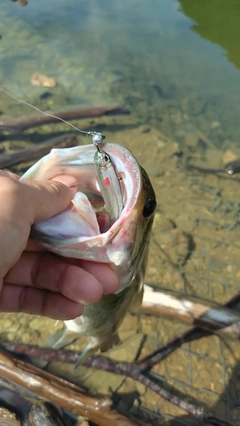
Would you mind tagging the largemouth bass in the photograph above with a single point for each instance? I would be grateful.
(84, 231)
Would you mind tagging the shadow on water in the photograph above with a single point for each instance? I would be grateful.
(227, 407)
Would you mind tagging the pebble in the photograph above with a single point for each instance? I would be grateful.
(215, 124)
(162, 223)
(191, 139)
(228, 156)
(186, 222)
(43, 80)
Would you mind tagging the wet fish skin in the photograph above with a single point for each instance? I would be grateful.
(124, 246)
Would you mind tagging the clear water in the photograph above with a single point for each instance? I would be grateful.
(159, 57)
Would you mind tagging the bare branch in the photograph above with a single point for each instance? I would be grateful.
(37, 151)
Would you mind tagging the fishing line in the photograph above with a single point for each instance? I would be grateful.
(97, 137)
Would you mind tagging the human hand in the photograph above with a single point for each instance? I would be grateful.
(33, 280)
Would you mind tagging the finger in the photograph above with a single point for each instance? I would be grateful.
(21, 205)
(32, 201)
(104, 273)
(45, 199)
(11, 175)
(47, 271)
(38, 302)
(34, 246)
(101, 271)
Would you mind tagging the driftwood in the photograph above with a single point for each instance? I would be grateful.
(136, 370)
(232, 168)
(15, 409)
(139, 370)
(23, 123)
(217, 318)
(190, 335)
(7, 418)
(60, 392)
(36, 151)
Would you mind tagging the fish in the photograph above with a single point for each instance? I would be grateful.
(85, 231)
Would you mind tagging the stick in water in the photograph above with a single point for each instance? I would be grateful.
(23, 123)
(36, 151)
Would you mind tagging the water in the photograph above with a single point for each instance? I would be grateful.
(175, 65)
(158, 57)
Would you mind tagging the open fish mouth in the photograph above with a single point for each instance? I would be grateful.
(87, 217)
(89, 234)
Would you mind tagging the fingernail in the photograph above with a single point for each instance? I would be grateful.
(67, 180)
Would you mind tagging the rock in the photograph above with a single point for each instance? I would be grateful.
(186, 222)
(162, 223)
(191, 140)
(215, 125)
(228, 156)
(43, 80)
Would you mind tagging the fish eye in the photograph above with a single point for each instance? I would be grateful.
(149, 207)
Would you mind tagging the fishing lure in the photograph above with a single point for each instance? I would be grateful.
(108, 181)
(109, 185)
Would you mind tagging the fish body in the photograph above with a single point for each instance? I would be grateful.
(77, 234)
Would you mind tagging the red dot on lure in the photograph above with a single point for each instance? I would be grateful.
(107, 182)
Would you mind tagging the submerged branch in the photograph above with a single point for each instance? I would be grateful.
(138, 371)
(217, 318)
(37, 151)
(194, 333)
(133, 370)
(7, 418)
(61, 392)
(18, 410)
(27, 122)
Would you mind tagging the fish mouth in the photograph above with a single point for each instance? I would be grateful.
(105, 199)
(74, 224)
(98, 205)
(129, 177)
(114, 185)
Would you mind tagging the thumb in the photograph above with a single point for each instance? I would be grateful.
(48, 198)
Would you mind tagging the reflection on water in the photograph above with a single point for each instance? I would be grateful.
(149, 57)
(216, 22)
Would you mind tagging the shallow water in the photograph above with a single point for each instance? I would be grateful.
(175, 66)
